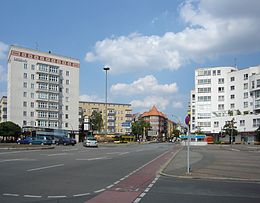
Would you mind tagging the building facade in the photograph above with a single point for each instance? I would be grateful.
(158, 122)
(119, 116)
(3, 109)
(43, 89)
(225, 93)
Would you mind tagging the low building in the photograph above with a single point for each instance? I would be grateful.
(158, 122)
(118, 117)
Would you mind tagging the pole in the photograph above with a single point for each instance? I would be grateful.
(106, 69)
(188, 151)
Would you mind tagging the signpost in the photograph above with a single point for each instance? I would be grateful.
(187, 121)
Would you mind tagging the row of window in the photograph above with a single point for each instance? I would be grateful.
(256, 123)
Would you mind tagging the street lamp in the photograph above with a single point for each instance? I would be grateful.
(106, 69)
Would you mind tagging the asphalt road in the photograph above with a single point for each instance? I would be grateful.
(168, 189)
(70, 174)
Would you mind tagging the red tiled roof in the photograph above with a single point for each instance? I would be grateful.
(153, 112)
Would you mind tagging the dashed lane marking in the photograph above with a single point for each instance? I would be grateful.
(33, 196)
(10, 194)
(45, 167)
(80, 195)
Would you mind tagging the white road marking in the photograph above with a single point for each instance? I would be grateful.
(67, 150)
(80, 195)
(33, 196)
(98, 191)
(116, 182)
(45, 167)
(61, 196)
(123, 153)
(137, 200)
(91, 159)
(9, 160)
(143, 194)
(60, 154)
(114, 152)
(110, 186)
(15, 152)
(9, 194)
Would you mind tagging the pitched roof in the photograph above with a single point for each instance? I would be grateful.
(153, 112)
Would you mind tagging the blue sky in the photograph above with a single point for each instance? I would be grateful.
(151, 46)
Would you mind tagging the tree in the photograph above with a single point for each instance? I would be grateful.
(10, 129)
(230, 129)
(138, 127)
(96, 121)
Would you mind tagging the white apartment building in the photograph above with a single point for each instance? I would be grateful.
(43, 89)
(224, 93)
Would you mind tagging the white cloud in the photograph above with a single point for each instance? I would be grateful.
(160, 102)
(212, 28)
(90, 98)
(177, 105)
(3, 50)
(146, 85)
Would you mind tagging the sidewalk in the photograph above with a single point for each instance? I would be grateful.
(237, 162)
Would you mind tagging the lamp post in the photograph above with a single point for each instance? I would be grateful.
(106, 69)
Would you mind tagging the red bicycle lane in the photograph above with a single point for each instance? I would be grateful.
(130, 187)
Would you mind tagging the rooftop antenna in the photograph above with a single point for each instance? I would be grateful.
(235, 61)
(36, 46)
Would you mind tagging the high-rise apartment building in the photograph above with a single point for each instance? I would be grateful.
(119, 116)
(3, 109)
(43, 89)
(225, 93)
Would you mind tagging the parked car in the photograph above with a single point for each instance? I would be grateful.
(90, 142)
(41, 140)
(65, 141)
(26, 140)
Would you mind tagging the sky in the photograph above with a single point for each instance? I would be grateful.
(151, 46)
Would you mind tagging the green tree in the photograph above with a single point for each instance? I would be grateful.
(139, 126)
(176, 133)
(230, 129)
(96, 121)
(9, 129)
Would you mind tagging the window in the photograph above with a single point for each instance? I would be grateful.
(67, 82)
(42, 123)
(25, 66)
(214, 72)
(54, 78)
(32, 76)
(66, 108)
(67, 90)
(24, 104)
(54, 97)
(42, 105)
(245, 104)
(204, 72)
(32, 104)
(24, 123)
(43, 67)
(221, 98)
(66, 116)
(253, 84)
(43, 96)
(232, 87)
(221, 81)
(53, 69)
(204, 90)
(232, 96)
(216, 124)
(24, 113)
(204, 81)
(245, 76)
(66, 125)
(32, 67)
(221, 107)
(25, 75)
(42, 114)
(242, 122)
(32, 85)
(25, 84)
(67, 73)
(232, 79)
(24, 94)
(53, 106)
(245, 86)
(219, 72)
(54, 88)
(245, 95)
(257, 104)
(43, 76)
(258, 83)
(43, 86)
(256, 122)
(257, 94)
(32, 114)
(32, 95)
(221, 89)
(232, 106)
